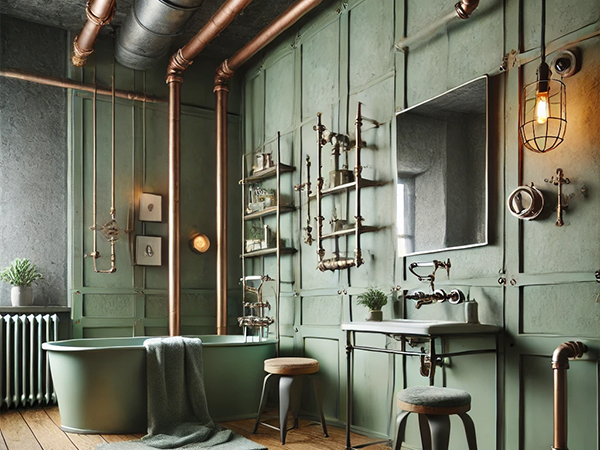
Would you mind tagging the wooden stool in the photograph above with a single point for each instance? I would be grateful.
(290, 372)
(434, 405)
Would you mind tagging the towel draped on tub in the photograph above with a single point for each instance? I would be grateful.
(178, 415)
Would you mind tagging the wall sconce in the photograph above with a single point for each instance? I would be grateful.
(199, 243)
(543, 116)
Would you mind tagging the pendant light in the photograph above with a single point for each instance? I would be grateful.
(543, 115)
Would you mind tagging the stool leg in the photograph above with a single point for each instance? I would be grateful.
(425, 432)
(439, 424)
(296, 399)
(285, 386)
(469, 430)
(316, 381)
(401, 425)
(263, 402)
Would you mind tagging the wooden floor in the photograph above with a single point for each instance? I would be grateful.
(39, 429)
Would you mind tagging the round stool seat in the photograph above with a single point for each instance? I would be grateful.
(291, 366)
(434, 400)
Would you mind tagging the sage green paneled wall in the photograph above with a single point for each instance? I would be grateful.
(346, 55)
(134, 300)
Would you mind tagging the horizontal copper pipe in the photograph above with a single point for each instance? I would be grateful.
(560, 364)
(99, 13)
(289, 17)
(182, 59)
(70, 84)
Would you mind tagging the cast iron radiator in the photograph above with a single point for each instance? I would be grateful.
(24, 370)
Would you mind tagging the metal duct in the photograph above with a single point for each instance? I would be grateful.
(148, 30)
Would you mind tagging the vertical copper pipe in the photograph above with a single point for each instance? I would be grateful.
(223, 73)
(560, 364)
(99, 13)
(179, 62)
(174, 177)
(221, 92)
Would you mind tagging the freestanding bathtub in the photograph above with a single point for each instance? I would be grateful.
(101, 383)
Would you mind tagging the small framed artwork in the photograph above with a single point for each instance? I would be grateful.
(150, 207)
(148, 250)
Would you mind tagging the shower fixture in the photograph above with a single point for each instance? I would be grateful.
(110, 230)
(543, 115)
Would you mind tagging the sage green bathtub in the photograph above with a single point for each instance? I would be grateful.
(101, 383)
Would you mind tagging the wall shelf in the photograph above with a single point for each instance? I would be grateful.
(349, 232)
(348, 187)
(269, 252)
(268, 173)
(269, 211)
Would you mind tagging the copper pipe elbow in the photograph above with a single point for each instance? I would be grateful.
(566, 350)
(465, 8)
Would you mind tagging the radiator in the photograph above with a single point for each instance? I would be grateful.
(24, 370)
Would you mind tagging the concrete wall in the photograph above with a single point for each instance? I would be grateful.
(345, 56)
(33, 158)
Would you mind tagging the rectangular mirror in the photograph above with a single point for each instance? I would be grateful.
(442, 171)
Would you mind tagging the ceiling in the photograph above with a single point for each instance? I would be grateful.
(70, 15)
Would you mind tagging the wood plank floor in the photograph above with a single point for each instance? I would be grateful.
(39, 429)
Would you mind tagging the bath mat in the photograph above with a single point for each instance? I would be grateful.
(178, 416)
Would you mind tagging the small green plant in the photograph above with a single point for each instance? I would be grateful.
(20, 272)
(373, 299)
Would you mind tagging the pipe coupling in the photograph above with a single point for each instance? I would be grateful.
(177, 65)
(98, 20)
(80, 56)
(222, 74)
(465, 8)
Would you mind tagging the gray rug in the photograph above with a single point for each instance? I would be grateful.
(178, 416)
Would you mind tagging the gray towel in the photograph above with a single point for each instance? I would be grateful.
(178, 416)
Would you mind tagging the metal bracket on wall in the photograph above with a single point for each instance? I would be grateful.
(559, 180)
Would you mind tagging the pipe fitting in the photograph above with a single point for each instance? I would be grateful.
(465, 8)
(566, 350)
(99, 13)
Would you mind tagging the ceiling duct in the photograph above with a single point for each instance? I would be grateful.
(148, 30)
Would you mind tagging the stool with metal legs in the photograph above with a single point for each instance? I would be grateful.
(434, 405)
(290, 372)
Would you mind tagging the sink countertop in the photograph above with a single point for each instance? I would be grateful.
(420, 327)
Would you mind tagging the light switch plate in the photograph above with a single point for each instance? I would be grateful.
(150, 207)
(148, 250)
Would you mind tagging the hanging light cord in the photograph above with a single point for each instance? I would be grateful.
(543, 31)
(112, 205)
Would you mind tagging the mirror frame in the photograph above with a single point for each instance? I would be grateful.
(486, 203)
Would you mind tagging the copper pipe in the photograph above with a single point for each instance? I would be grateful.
(221, 119)
(174, 179)
(179, 62)
(223, 73)
(560, 364)
(99, 13)
(320, 142)
(70, 84)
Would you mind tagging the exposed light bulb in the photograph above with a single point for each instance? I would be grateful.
(542, 107)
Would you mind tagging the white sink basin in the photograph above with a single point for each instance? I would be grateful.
(420, 327)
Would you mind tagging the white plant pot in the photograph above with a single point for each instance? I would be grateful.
(21, 296)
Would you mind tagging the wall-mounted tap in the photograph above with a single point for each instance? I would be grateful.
(431, 277)
(454, 297)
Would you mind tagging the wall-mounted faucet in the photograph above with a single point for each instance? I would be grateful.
(454, 297)
(431, 277)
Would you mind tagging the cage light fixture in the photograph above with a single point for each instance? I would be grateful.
(543, 115)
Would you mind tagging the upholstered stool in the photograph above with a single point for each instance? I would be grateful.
(434, 405)
(290, 372)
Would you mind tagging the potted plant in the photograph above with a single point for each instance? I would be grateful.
(21, 273)
(373, 299)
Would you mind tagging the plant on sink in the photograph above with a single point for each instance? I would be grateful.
(21, 273)
(374, 299)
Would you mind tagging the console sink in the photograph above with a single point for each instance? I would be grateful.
(420, 327)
